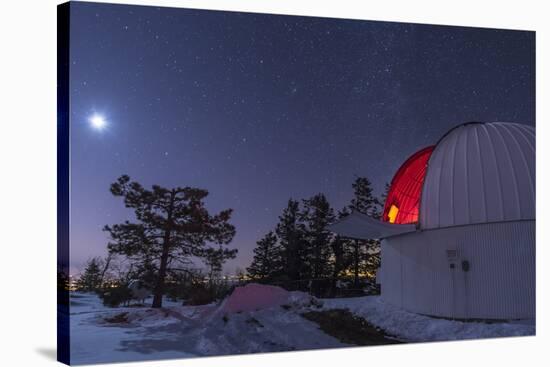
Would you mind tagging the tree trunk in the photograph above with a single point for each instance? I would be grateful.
(367, 258)
(335, 272)
(159, 287)
(105, 268)
(356, 264)
(210, 275)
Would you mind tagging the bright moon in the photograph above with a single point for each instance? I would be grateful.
(98, 122)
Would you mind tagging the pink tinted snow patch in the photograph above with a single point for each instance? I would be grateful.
(254, 297)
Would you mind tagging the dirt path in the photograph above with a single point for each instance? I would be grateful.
(348, 328)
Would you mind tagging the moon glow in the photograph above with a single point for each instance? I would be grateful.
(97, 122)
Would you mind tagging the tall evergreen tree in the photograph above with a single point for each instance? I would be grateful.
(384, 195)
(316, 216)
(106, 266)
(372, 251)
(267, 261)
(340, 245)
(214, 258)
(290, 232)
(365, 202)
(340, 257)
(91, 278)
(171, 225)
(371, 259)
(145, 270)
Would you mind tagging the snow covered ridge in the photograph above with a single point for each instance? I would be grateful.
(418, 328)
(272, 323)
(406, 325)
(254, 318)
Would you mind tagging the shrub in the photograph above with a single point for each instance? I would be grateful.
(121, 318)
(113, 297)
(200, 294)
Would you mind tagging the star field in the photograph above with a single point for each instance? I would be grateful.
(260, 108)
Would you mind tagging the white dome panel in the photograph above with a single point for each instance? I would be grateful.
(480, 173)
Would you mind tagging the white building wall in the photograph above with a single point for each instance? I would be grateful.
(416, 275)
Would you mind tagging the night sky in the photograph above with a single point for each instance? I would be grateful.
(260, 108)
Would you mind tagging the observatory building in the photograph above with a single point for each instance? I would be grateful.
(458, 227)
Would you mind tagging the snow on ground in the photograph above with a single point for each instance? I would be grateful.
(94, 341)
(177, 331)
(255, 318)
(412, 327)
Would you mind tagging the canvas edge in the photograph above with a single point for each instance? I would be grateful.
(63, 169)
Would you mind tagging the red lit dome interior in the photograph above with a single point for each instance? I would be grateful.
(403, 199)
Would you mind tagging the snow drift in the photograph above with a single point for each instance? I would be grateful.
(254, 297)
(411, 327)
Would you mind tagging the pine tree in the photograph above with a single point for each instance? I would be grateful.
(290, 232)
(371, 259)
(267, 261)
(171, 226)
(106, 266)
(341, 259)
(240, 274)
(316, 216)
(145, 271)
(90, 280)
(364, 202)
(384, 195)
(214, 258)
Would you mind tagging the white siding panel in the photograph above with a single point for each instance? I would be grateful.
(461, 178)
(499, 285)
(391, 283)
(476, 176)
(492, 189)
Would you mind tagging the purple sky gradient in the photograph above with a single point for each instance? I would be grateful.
(261, 108)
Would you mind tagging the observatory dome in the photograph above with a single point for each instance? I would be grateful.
(480, 173)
